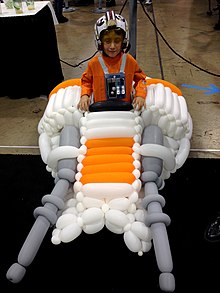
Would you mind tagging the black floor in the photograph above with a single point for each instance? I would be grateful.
(101, 262)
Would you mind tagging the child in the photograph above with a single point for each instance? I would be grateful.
(113, 74)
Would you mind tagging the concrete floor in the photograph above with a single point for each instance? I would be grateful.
(186, 51)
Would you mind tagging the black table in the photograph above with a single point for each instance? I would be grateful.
(29, 57)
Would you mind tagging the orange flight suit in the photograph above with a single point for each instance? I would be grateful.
(93, 80)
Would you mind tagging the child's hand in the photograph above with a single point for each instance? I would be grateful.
(138, 103)
(84, 102)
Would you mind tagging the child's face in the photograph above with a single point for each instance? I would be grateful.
(112, 43)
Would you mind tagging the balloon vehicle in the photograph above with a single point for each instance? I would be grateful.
(108, 166)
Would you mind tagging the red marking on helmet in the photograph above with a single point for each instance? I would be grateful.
(110, 15)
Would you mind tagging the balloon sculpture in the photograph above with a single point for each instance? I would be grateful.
(108, 165)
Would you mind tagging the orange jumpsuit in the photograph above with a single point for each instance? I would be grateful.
(93, 80)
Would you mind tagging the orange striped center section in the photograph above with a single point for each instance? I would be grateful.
(108, 160)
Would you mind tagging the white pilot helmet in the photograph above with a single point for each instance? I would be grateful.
(111, 20)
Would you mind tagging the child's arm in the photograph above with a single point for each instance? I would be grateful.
(138, 103)
(84, 103)
(140, 95)
(86, 89)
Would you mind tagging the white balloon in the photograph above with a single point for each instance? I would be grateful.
(150, 100)
(70, 232)
(79, 196)
(183, 152)
(171, 128)
(117, 218)
(137, 185)
(171, 143)
(132, 241)
(159, 96)
(92, 215)
(119, 203)
(83, 130)
(183, 110)
(70, 210)
(131, 218)
(132, 208)
(146, 246)
(190, 127)
(141, 231)
(105, 207)
(113, 228)
(164, 123)
(105, 122)
(68, 117)
(133, 197)
(137, 164)
(58, 100)
(77, 186)
(161, 152)
(55, 240)
(55, 232)
(109, 132)
(80, 207)
(71, 202)
(90, 202)
(179, 133)
(110, 114)
(136, 173)
(94, 228)
(64, 220)
(106, 191)
(76, 116)
(78, 176)
(155, 117)
(80, 157)
(44, 145)
(62, 152)
(68, 96)
(50, 105)
(140, 215)
(176, 106)
(168, 106)
(147, 116)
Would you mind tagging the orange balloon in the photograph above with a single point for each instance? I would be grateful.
(107, 142)
(115, 177)
(111, 167)
(106, 159)
(109, 150)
